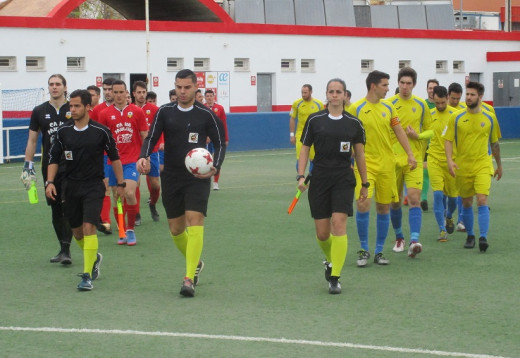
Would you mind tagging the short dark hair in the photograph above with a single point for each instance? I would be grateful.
(440, 91)
(209, 91)
(94, 88)
(109, 81)
(198, 91)
(138, 84)
(349, 94)
(308, 86)
(151, 95)
(185, 73)
(118, 82)
(455, 87)
(476, 85)
(375, 78)
(172, 92)
(432, 80)
(407, 72)
(86, 98)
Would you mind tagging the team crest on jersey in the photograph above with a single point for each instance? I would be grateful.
(130, 114)
(68, 115)
(383, 114)
(47, 116)
(414, 109)
(344, 147)
(148, 111)
(68, 155)
(193, 138)
(112, 117)
(482, 124)
(215, 110)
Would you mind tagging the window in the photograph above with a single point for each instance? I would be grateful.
(75, 63)
(241, 64)
(405, 63)
(174, 64)
(33, 63)
(441, 66)
(367, 65)
(308, 65)
(7, 63)
(288, 65)
(201, 64)
(458, 66)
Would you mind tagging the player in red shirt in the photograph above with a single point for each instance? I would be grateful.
(221, 114)
(128, 126)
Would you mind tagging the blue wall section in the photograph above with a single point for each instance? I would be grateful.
(264, 131)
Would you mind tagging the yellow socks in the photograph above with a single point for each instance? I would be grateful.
(325, 247)
(193, 249)
(338, 252)
(90, 247)
(181, 242)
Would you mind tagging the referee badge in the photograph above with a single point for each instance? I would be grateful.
(68, 155)
(344, 147)
(193, 138)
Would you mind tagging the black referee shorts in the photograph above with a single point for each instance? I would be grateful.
(331, 192)
(83, 201)
(181, 192)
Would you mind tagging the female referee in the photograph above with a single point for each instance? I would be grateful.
(336, 135)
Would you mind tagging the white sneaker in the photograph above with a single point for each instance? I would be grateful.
(399, 245)
(215, 186)
(461, 227)
(414, 249)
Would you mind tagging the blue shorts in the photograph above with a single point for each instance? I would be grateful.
(129, 172)
(161, 157)
(154, 165)
(211, 147)
(105, 161)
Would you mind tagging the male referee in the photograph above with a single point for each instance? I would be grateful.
(83, 143)
(186, 124)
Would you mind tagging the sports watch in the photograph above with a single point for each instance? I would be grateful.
(365, 185)
(298, 177)
(122, 185)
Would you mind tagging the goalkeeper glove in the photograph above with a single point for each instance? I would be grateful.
(28, 174)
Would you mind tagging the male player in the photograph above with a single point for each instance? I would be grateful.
(186, 124)
(219, 111)
(95, 92)
(415, 119)
(443, 184)
(474, 133)
(151, 97)
(379, 119)
(300, 111)
(46, 118)
(82, 142)
(173, 95)
(128, 126)
(430, 85)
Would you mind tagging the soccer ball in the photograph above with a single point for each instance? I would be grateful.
(198, 161)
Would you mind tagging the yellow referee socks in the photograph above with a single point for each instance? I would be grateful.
(193, 249)
(338, 253)
(181, 241)
(325, 247)
(80, 243)
(90, 247)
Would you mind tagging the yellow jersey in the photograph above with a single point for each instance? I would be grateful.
(439, 123)
(301, 110)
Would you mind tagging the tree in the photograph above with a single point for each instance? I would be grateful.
(95, 9)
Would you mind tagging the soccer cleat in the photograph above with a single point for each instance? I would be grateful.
(450, 225)
(483, 244)
(405, 201)
(470, 242)
(95, 268)
(215, 186)
(461, 227)
(334, 285)
(399, 245)
(86, 282)
(363, 257)
(63, 258)
(328, 270)
(131, 240)
(138, 219)
(187, 289)
(121, 241)
(414, 249)
(105, 228)
(443, 237)
(198, 270)
(424, 205)
(153, 211)
(380, 259)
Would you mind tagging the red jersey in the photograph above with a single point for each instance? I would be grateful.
(94, 112)
(221, 114)
(125, 126)
(150, 110)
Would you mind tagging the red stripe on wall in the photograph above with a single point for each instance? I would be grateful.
(16, 114)
(242, 109)
(503, 56)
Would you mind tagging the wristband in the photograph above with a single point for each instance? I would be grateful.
(291, 134)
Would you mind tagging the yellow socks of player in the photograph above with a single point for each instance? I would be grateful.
(90, 247)
(338, 253)
(80, 243)
(181, 241)
(325, 247)
(193, 249)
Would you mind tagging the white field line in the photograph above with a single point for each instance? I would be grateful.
(248, 339)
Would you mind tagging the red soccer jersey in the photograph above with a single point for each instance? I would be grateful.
(94, 113)
(221, 114)
(125, 126)
(149, 110)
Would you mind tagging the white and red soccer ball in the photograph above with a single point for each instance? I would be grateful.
(198, 161)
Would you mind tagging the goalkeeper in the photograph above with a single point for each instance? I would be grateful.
(46, 118)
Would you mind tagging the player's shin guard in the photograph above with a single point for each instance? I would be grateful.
(89, 252)
(452, 205)
(382, 225)
(438, 209)
(467, 216)
(131, 212)
(362, 221)
(396, 216)
(483, 220)
(181, 241)
(415, 221)
(338, 252)
(194, 249)
(325, 246)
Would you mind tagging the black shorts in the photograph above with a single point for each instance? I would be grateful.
(181, 192)
(331, 192)
(83, 201)
(58, 182)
